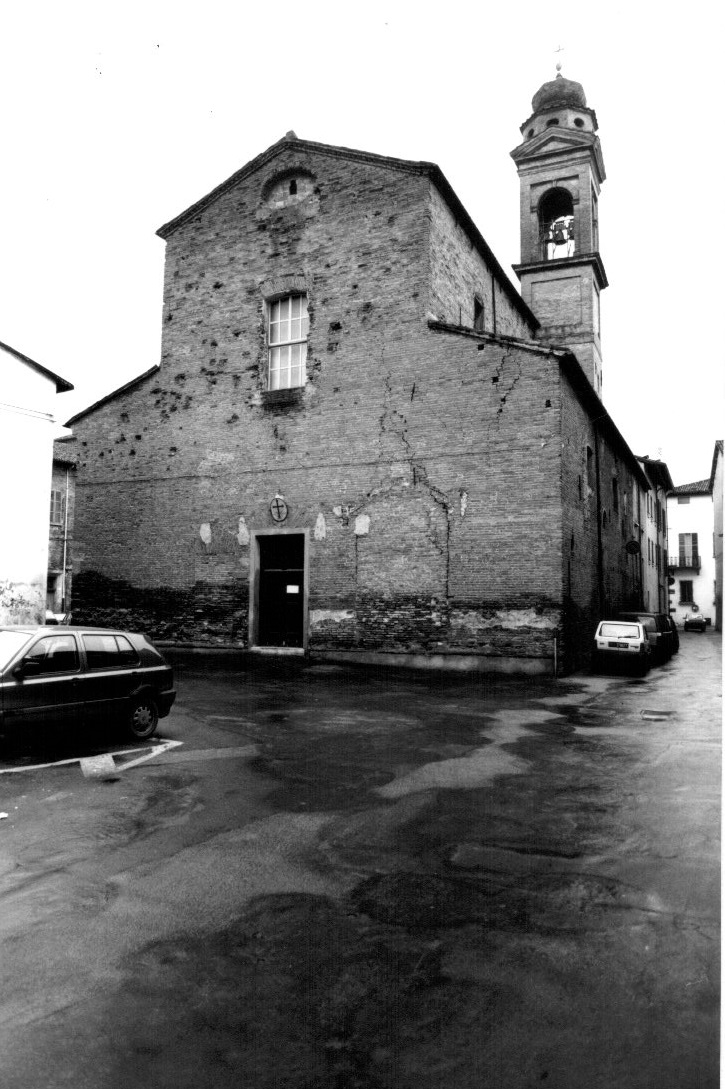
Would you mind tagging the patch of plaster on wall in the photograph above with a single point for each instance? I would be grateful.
(243, 532)
(320, 527)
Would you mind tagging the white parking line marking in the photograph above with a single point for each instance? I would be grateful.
(155, 750)
(55, 763)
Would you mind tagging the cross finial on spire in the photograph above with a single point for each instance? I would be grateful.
(559, 49)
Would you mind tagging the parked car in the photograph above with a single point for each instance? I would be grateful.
(658, 630)
(82, 675)
(695, 622)
(624, 642)
(675, 634)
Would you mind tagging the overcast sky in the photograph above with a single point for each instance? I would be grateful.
(116, 117)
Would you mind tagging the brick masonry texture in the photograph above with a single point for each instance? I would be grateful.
(436, 471)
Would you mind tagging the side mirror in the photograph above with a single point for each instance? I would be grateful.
(29, 667)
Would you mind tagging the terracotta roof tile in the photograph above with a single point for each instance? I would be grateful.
(700, 487)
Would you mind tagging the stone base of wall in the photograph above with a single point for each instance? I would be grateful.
(206, 614)
(453, 663)
(413, 632)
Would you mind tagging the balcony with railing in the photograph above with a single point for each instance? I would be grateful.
(684, 561)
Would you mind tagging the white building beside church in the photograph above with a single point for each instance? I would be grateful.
(694, 546)
(653, 535)
(27, 427)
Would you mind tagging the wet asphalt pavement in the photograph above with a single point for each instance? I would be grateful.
(331, 878)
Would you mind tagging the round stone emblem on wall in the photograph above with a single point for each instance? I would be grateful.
(278, 509)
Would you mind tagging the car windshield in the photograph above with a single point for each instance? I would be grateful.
(10, 644)
(619, 631)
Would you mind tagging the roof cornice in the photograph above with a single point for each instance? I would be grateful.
(658, 471)
(583, 388)
(113, 394)
(717, 451)
(537, 149)
(61, 386)
(405, 165)
(593, 259)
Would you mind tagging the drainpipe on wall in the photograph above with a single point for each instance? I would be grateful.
(665, 607)
(65, 543)
(493, 302)
(642, 537)
(664, 597)
(659, 546)
(600, 546)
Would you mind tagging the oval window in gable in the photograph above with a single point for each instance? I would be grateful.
(292, 187)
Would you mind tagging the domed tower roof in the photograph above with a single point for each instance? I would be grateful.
(560, 102)
(557, 93)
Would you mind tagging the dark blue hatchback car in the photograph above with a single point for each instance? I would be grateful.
(70, 675)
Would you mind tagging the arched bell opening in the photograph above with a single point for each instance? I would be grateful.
(556, 224)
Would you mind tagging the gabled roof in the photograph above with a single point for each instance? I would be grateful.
(658, 472)
(65, 451)
(61, 386)
(553, 140)
(114, 393)
(700, 487)
(406, 166)
(559, 141)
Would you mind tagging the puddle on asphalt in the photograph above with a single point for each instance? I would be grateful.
(479, 767)
(461, 773)
(338, 756)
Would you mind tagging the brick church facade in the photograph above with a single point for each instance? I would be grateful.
(361, 441)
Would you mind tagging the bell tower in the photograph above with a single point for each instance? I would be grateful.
(561, 171)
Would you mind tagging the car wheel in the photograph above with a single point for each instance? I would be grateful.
(143, 718)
